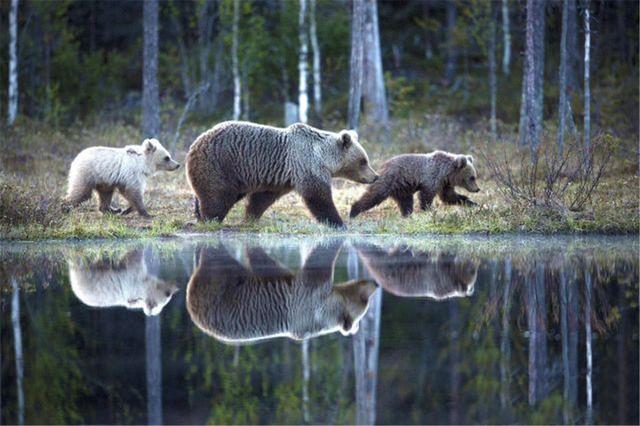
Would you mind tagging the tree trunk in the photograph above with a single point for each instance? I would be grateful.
(562, 102)
(234, 60)
(493, 80)
(184, 57)
(573, 56)
(205, 31)
(373, 75)
(317, 79)
(587, 90)
(150, 94)
(17, 346)
(506, 55)
(154, 369)
(355, 63)
(13, 63)
(450, 68)
(534, 54)
(303, 66)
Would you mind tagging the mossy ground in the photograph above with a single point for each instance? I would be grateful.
(37, 166)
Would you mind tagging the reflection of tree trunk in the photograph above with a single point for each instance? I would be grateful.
(17, 345)
(622, 363)
(454, 372)
(154, 370)
(588, 337)
(305, 381)
(505, 347)
(536, 318)
(569, 329)
(366, 346)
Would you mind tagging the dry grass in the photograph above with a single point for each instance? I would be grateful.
(39, 158)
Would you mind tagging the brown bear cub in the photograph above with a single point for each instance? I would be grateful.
(237, 159)
(437, 173)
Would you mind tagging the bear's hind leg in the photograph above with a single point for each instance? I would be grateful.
(376, 194)
(78, 194)
(405, 203)
(217, 205)
(259, 202)
(105, 195)
(134, 197)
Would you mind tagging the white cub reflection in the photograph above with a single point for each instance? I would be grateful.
(408, 272)
(119, 281)
(238, 304)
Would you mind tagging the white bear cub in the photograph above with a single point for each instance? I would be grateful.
(126, 169)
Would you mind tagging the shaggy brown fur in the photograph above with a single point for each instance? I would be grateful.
(240, 304)
(406, 272)
(237, 159)
(432, 174)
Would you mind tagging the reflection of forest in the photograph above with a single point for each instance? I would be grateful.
(517, 350)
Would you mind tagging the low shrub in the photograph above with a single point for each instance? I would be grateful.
(28, 204)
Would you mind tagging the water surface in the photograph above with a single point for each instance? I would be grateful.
(265, 329)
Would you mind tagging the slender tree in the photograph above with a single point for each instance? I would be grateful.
(450, 67)
(373, 91)
(532, 96)
(506, 33)
(150, 93)
(13, 63)
(237, 89)
(315, 46)
(303, 66)
(587, 90)
(562, 102)
(493, 79)
(355, 63)
(573, 56)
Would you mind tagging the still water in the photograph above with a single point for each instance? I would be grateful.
(265, 329)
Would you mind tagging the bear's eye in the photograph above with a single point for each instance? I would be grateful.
(363, 162)
(472, 178)
(167, 158)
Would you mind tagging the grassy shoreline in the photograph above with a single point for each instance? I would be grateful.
(34, 169)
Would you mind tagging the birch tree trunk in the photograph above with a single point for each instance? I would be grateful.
(154, 369)
(450, 68)
(373, 75)
(150, 93)
(13, 63)
(562, 102)
(237, 90)
(315, 46)
(355, 63)
(506, 32)
(493, 80)
(587, 90)
(303, 66)
(17, 346)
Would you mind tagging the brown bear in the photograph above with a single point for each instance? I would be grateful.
(437, 173)
(237, 159)
(238, 304)
(407, 272)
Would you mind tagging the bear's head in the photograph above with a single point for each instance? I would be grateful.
(464, 173)
(354, 161)
(346, 305)
(157, 157)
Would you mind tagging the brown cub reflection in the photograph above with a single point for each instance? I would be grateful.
(122, 281)
(238, 304)
(407, 272)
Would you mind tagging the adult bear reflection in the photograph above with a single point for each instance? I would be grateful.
(238, 304)
(408, 272)
(107, 281)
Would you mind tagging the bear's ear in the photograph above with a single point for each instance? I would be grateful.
(460, 162)
(347, 137)
(470, 159)
(148, 146)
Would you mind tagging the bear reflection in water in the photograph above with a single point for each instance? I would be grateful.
(238, 304)
(408, 272)
(119, 281)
